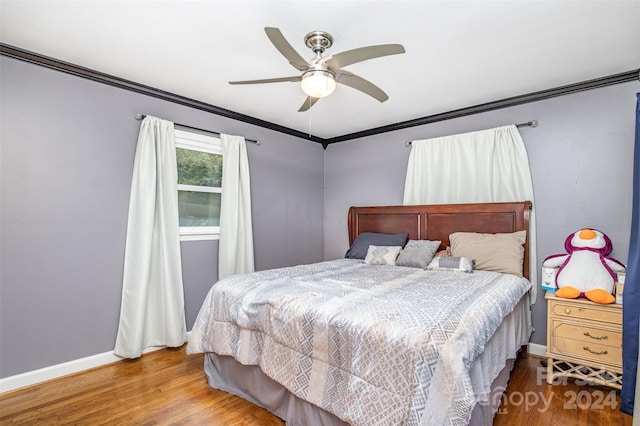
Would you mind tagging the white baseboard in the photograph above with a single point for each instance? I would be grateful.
(52, 372)
(59, 370)
(539, 350)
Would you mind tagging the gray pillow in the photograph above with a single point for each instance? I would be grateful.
(418, 253)
(360, 246)
(463, 264)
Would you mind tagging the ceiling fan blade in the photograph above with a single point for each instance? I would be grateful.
(359, 83)
(308, 103)
(268, 80)
(360, 54)
(285, 48)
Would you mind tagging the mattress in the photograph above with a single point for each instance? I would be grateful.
(370, 344)
(495, 364)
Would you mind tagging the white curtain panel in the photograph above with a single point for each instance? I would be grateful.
(477, 167)
(152, 310)
(235, 249)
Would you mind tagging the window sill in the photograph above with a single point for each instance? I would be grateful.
(199, 237)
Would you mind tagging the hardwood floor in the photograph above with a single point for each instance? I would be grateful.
(160, 388)
(529, 400)
(169, 387)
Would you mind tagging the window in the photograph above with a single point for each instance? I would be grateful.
(199, 159)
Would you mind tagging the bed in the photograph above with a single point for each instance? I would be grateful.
(350, 342)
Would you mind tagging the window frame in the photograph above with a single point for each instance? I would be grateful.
(185, 139)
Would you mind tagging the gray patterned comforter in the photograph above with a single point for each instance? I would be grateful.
(374, 345)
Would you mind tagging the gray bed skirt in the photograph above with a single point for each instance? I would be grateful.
(250, 383)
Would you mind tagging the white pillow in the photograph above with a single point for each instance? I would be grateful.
(382, 255)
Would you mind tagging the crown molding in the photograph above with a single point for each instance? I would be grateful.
(66, 67)
(625, 77)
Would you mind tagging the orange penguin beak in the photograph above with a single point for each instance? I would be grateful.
(587, 234)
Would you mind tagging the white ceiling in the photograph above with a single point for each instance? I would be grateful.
(458, 54)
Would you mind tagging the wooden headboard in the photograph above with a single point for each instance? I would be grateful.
(438, 221)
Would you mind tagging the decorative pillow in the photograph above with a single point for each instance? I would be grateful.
(451, 262)
(358, 249)
(417, 253)
(492, 252)
(382, 255)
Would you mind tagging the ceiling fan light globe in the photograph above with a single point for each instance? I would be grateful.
(318, 84)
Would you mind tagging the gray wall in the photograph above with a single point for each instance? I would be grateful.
(66, 158)
(67, 148)
(581, 159)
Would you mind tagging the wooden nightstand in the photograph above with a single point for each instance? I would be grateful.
(584, 341)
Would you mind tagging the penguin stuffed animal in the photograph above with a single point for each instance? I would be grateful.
(586, 270)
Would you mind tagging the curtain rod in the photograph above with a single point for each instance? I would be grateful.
(141, 116)
(532, 123)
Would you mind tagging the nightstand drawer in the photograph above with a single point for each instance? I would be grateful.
(605, 313)
(587, 351)
(586, 334)
(584, 341)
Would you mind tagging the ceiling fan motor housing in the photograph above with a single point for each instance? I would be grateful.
(318, 41)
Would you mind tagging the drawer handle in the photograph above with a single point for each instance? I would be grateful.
(586, 348)
(605, 337)
(567, 311)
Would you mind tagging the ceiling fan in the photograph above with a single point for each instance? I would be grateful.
(320, 74)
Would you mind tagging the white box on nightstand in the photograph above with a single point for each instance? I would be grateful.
(620, 286)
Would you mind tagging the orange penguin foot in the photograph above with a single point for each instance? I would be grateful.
(568, 292)
(600, 296)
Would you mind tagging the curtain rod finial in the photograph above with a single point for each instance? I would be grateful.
(534, 123)
(139, 116)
